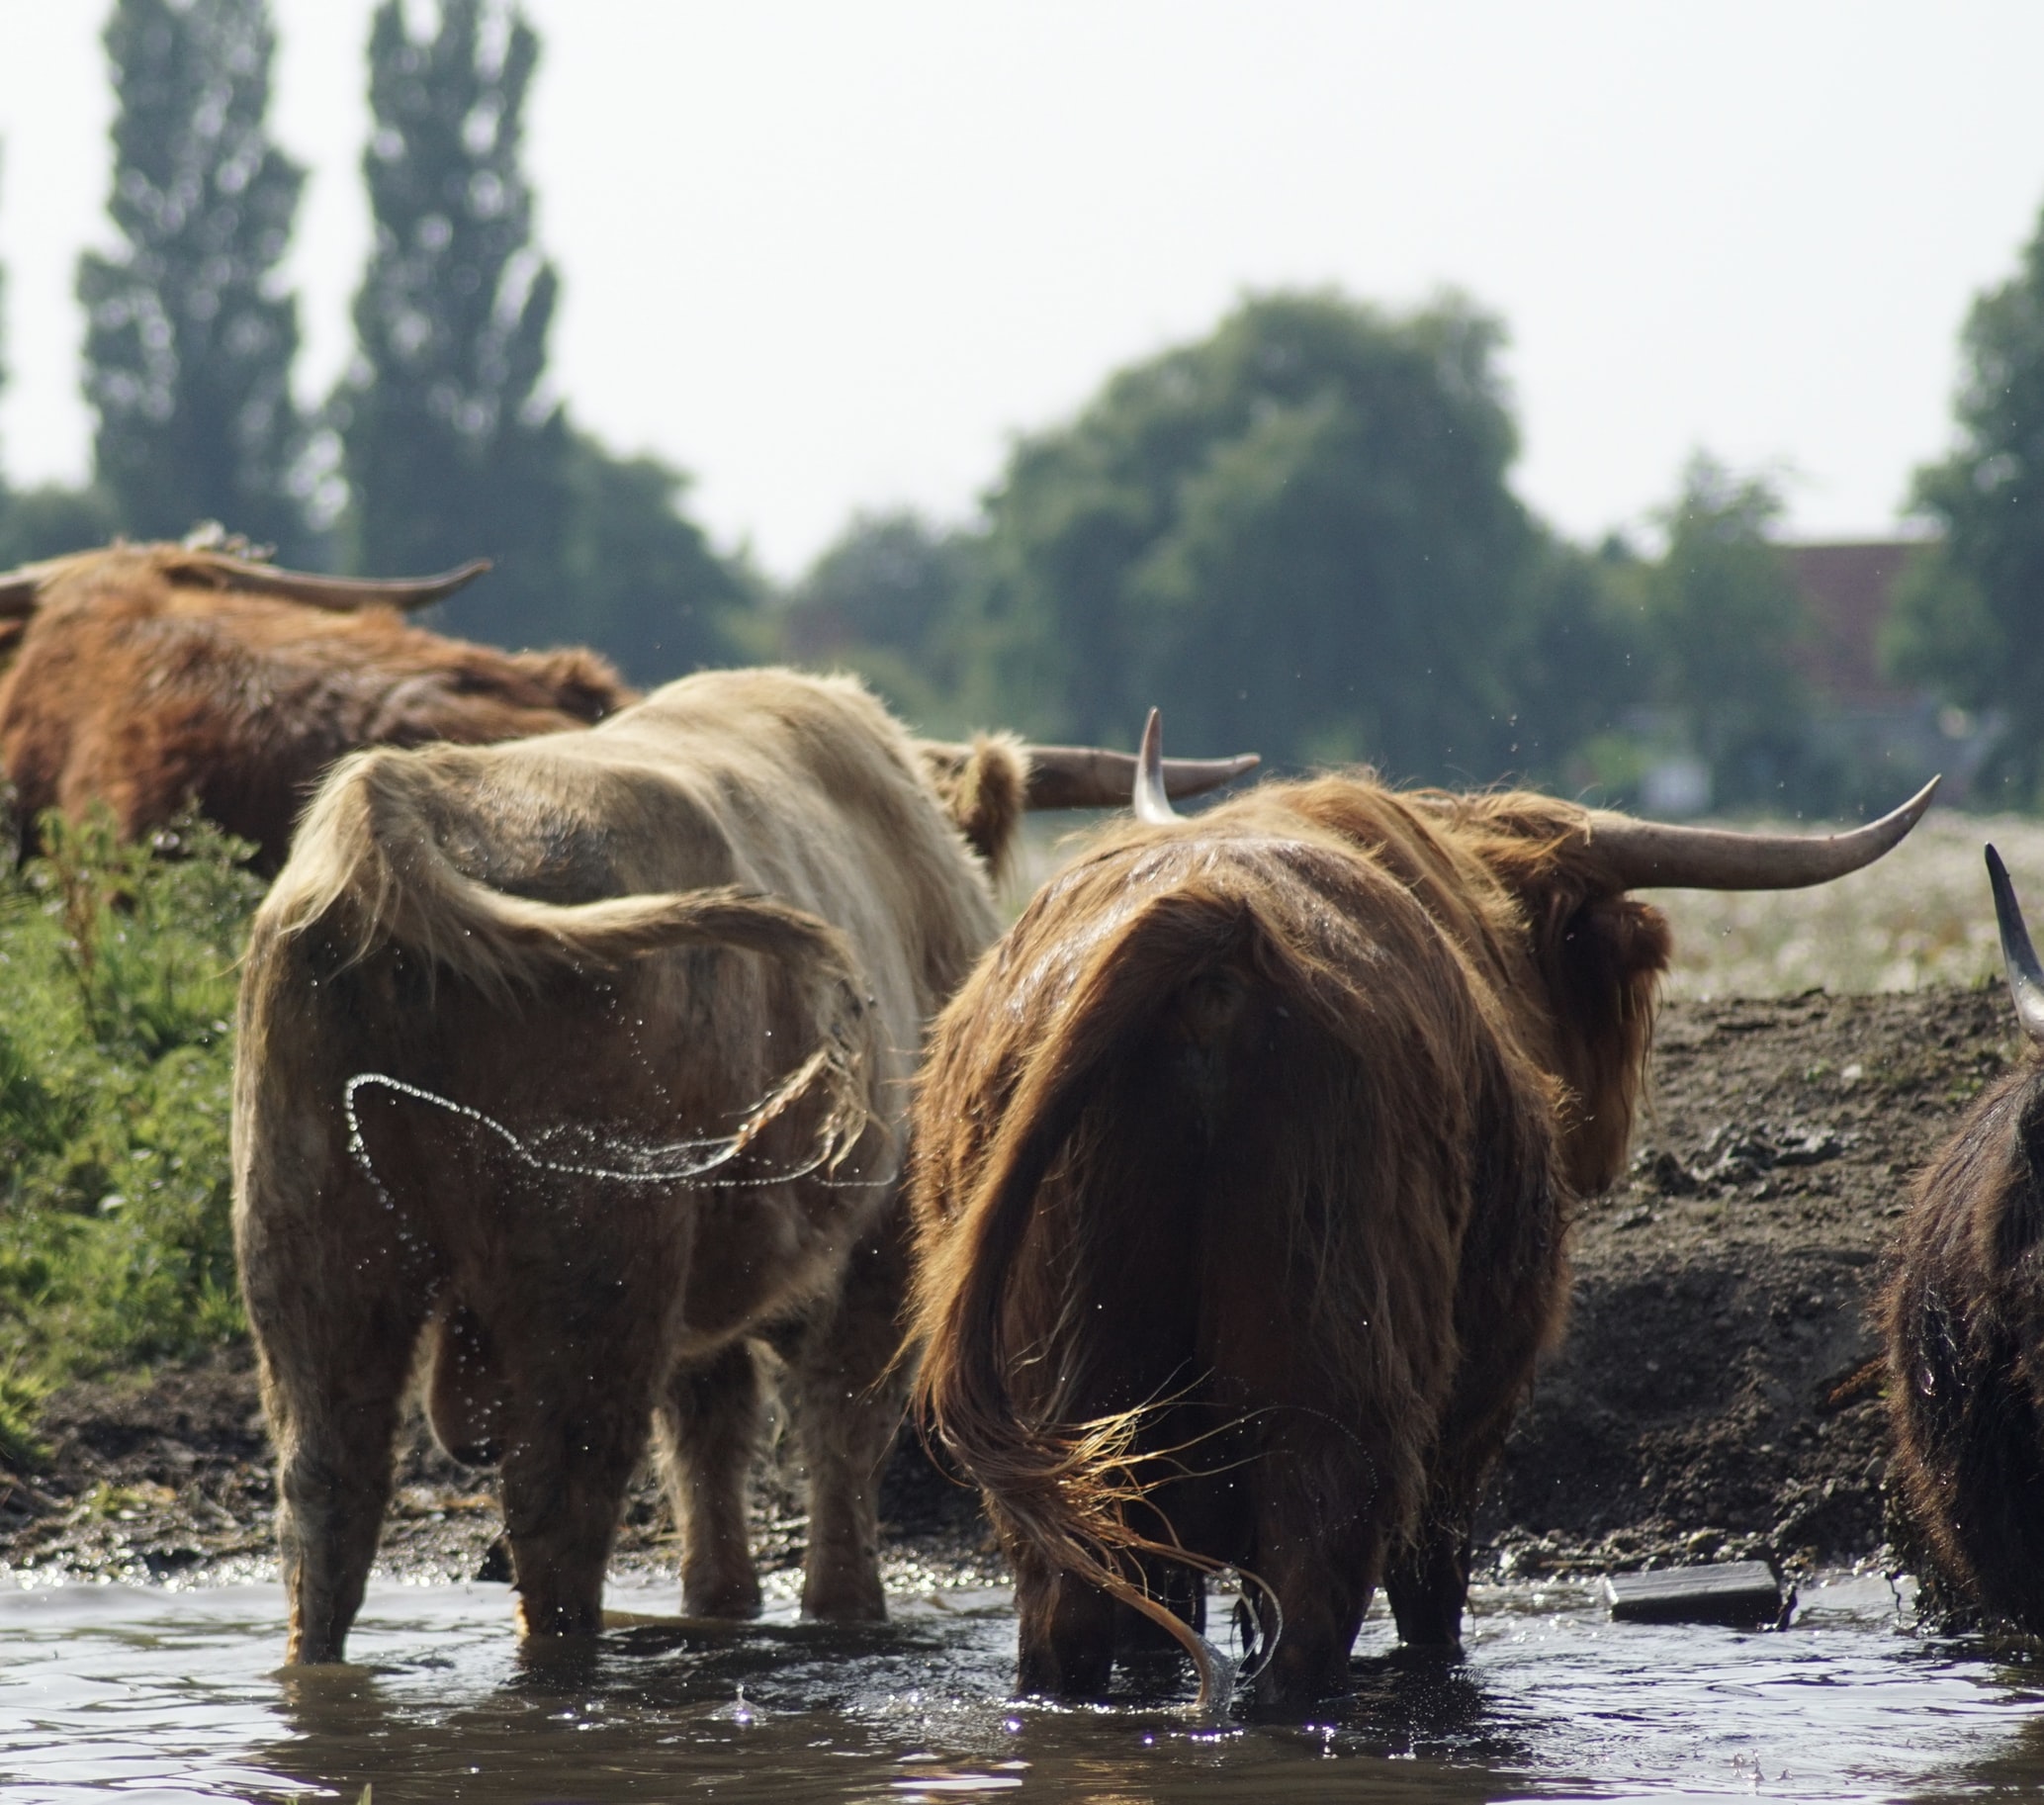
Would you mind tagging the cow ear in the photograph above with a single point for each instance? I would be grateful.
(984, 790)
(1618, 939)
(582, 683)
(1602, 970)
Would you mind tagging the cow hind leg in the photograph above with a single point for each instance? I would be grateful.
(1320, 1548)
(1428, 1582)
(576, 1411)
(1427, 1579)
(567, 1462)
(709, 1419)
(1065, 1631)
(335, 1361)
(846, 1395)
(1182, 1591)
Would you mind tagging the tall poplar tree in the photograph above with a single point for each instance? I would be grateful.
(449, 448)
(3, 365)
(189, 340)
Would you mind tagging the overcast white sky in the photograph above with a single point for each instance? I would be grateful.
(833, 257)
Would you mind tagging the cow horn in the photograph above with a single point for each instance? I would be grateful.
(2019, 957)
(1150, 801)
(340, 594)
(1086, 777)
(1650, 855)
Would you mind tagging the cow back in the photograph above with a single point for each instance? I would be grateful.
(147, 693)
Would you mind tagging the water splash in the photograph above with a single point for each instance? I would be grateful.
(697, 1162)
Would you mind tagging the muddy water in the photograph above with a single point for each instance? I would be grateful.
(174, 1695)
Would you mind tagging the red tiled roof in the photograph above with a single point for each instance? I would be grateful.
(1847, 589)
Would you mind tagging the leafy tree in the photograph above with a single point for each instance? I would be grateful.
(3, 338)
(1576, 658)
(50, 520)
(1722, 617)
(892, 598)
(639, 580)
(1969, 613)
(189, 344)
(1294, 535)
(449, 447)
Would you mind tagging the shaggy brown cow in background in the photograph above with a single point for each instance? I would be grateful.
(150, 676)
(588, 1052)
(1243, 1166)
(1963, 1315)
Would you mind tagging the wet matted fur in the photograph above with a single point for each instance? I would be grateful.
(1242, 1170)
(604, 949)
(139, 683)
(1962, 1313)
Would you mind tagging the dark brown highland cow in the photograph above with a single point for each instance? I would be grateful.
(151, 676)
(582, 1059)
(1243, 1168)
(1963, 1315)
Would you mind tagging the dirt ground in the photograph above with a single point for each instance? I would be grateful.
(1712, 1398)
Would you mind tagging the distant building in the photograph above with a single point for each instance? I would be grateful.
(1883, 736)
(1847, 589)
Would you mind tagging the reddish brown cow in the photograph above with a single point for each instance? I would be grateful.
(1243, 1166)
(1963, 1316)
(151, 676)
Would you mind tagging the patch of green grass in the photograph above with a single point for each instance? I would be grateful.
(21, 1403)
(116, 991)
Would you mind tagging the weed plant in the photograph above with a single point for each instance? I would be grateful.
(117, 996)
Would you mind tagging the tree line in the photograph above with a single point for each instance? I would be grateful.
(439, 439)
(1298, 534)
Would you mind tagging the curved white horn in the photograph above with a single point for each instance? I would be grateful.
(2019, 957)
(1646, 855)
(1086, 777)
(1150, 802)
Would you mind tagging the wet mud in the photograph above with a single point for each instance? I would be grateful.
(1714, 1398)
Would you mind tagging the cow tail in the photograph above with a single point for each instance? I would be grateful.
(1062, 1488)
(366, 859)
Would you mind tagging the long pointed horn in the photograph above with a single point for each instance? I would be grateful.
(1150, 801)
(1650, 855)
(340, 594)
(1085, 777)
(2019, 957)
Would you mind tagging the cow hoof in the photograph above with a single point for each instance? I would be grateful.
(729, 1601)
(542, 1622)
(867, 1607)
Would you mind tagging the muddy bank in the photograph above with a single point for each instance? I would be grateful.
(1713, 1397)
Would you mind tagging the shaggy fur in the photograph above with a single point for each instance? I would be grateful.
(613, 945)
(1242, 1171)
(984, 787)
(1963, 1316)
(141, 685)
